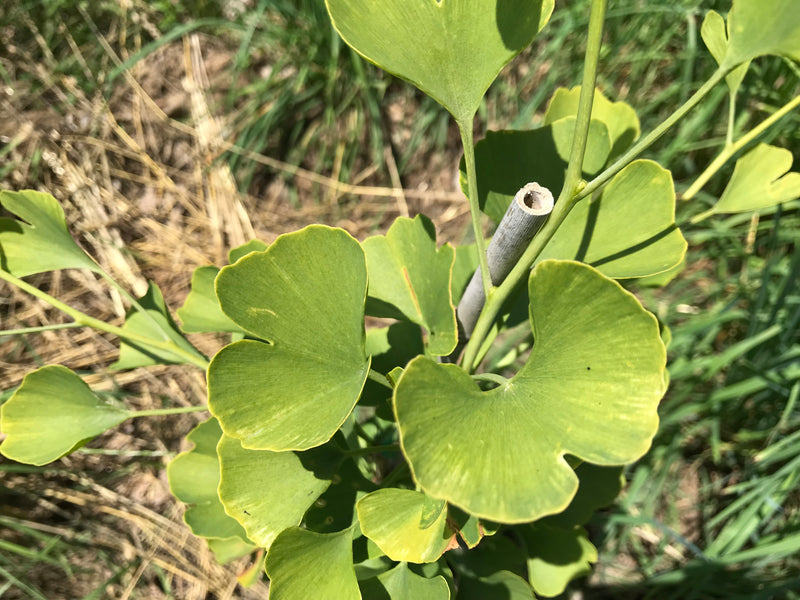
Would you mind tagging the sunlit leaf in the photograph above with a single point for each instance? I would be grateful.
(201, 312)
(761, 178)
(40, 241)
(408, 272)
(715, 36)
(450, 49)
(305, 295)
(269, 491)
(756, 29)
(302, 564)
(194, 478)
(507, 160)
(619, 117)
(629, 230)
(52, 414)
(590, 388)
(155, 323)
(392, 519)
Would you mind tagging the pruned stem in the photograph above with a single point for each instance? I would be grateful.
(525, 216)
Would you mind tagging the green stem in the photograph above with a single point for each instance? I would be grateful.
(566, 199)
(157, 412)
(372, 450)
(474, 207)
(129, 297)
(492, 377)
(84, 319)
(41, 328)
(733, 148)
(645, 142)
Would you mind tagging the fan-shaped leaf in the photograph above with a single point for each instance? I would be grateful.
(556, 556)
(761, 178)
(52, 414)
(392, 518)
(408, 272)
(450, 49)
(305, 295)
(403, 584)
(194, 479)
(302, 564)
(619, 117)
(156, 324)
(40, 241)
(269, 491)
(629, 230)
(590, 388)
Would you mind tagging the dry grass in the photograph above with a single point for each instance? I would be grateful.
(144, 192)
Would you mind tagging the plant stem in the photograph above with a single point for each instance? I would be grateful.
(734, 147)
(157, 412)
(41, 328)
(474, 207)
(492, 377)
(84, 319)
(566, 200)
(645, 142)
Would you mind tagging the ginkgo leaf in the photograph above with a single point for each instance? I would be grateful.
(408, 272)
(52, 414)
(267, 492)
(450, 49)
(715, 36)
(761, 178)
(590, 388)
(194, 478)
(40, 241)
(392, 517)
(619, 117)
(155, 323)
(304, 297)
(302, 564)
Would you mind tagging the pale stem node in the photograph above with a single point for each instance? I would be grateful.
(526, 214)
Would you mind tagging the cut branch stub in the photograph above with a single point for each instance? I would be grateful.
(525, 216)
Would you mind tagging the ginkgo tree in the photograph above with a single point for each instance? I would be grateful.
(392, 462)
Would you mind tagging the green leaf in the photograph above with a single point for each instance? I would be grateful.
(556, 557)
(53, 413)
(629, 230)
(403, 584)
(407, 271)
(156, 324)
(507, 160)
(715, 37)
(761, 178)
(619, 117)
(40, 241)
(269, 491)
(590, 388)
(450, 49)
(305, 295)
(245, 249)
(756, 29)
(194, 478)
(392, 518)
(597, 487)
(302, 564)
(201, 312)
(502, 585)
(227, 549)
